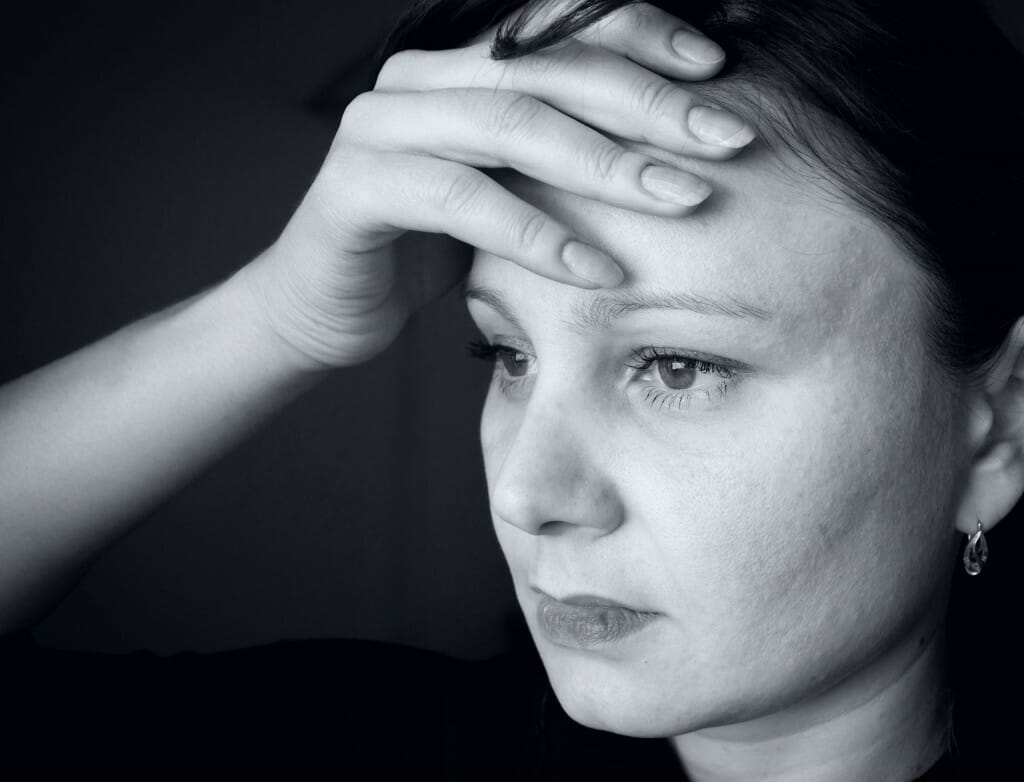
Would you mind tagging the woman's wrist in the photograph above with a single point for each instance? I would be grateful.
(272, 322)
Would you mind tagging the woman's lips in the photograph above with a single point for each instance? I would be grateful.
(584, 621)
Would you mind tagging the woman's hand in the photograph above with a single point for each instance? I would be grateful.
(95, 439)
(406, 158)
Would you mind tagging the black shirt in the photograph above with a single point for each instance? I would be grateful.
(325, 709)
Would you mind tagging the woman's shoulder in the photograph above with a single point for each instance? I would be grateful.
(403, 709)
(400, 708)
(324, 685)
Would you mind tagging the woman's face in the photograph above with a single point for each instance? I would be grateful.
(747, 445)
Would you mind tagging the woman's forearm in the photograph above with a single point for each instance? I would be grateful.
(91, 441)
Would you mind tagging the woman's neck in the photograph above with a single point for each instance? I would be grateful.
(886, 723)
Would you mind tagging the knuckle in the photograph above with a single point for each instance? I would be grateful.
(526, 230)
(654, 97)
(391, 72)
(604, 160)
(459, 193)
(636, 22)
(511, 114)
(646, 19)
(635, 18)
(358, 112)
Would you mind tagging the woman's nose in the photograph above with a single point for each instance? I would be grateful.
(551, 474)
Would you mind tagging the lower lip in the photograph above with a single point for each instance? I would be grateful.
(587, 626)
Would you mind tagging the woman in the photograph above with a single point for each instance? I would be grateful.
(731, 462)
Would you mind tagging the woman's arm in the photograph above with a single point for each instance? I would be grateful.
(90, 442)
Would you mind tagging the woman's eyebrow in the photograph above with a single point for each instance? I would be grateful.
(599, 312)
(491, 298)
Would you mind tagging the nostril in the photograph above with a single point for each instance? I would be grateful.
(553, 527)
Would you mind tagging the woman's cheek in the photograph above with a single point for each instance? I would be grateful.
(499, 421)
(807, 531)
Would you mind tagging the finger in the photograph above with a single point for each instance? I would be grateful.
(657, 40)
(419, 193)
(501, 129)
(597, 87)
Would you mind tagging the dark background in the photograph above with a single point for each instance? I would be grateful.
(149, 150)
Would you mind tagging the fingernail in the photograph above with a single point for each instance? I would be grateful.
(696, 48)
(591, 265)
(715, 126)
(677, 187)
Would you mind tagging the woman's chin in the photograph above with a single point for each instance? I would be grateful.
(608, 695)
(631, 715)
(647, 713)
(641, 697)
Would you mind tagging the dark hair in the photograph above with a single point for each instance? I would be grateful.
(912, 108)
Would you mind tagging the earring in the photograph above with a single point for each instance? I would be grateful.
(976, 551)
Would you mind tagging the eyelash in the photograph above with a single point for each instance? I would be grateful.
(643, 360)
(489, 352)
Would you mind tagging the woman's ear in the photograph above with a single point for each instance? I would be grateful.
(995, 479)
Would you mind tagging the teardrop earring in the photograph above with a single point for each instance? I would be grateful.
(975, 552)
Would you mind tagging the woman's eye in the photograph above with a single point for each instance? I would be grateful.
(511, 361)
(676, 373)
(514, 362)
(667, 379)
(512, 367)
(670, 380)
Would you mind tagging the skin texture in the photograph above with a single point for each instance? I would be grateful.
(796, 532)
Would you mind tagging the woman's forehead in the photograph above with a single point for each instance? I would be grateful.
(770, 236)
